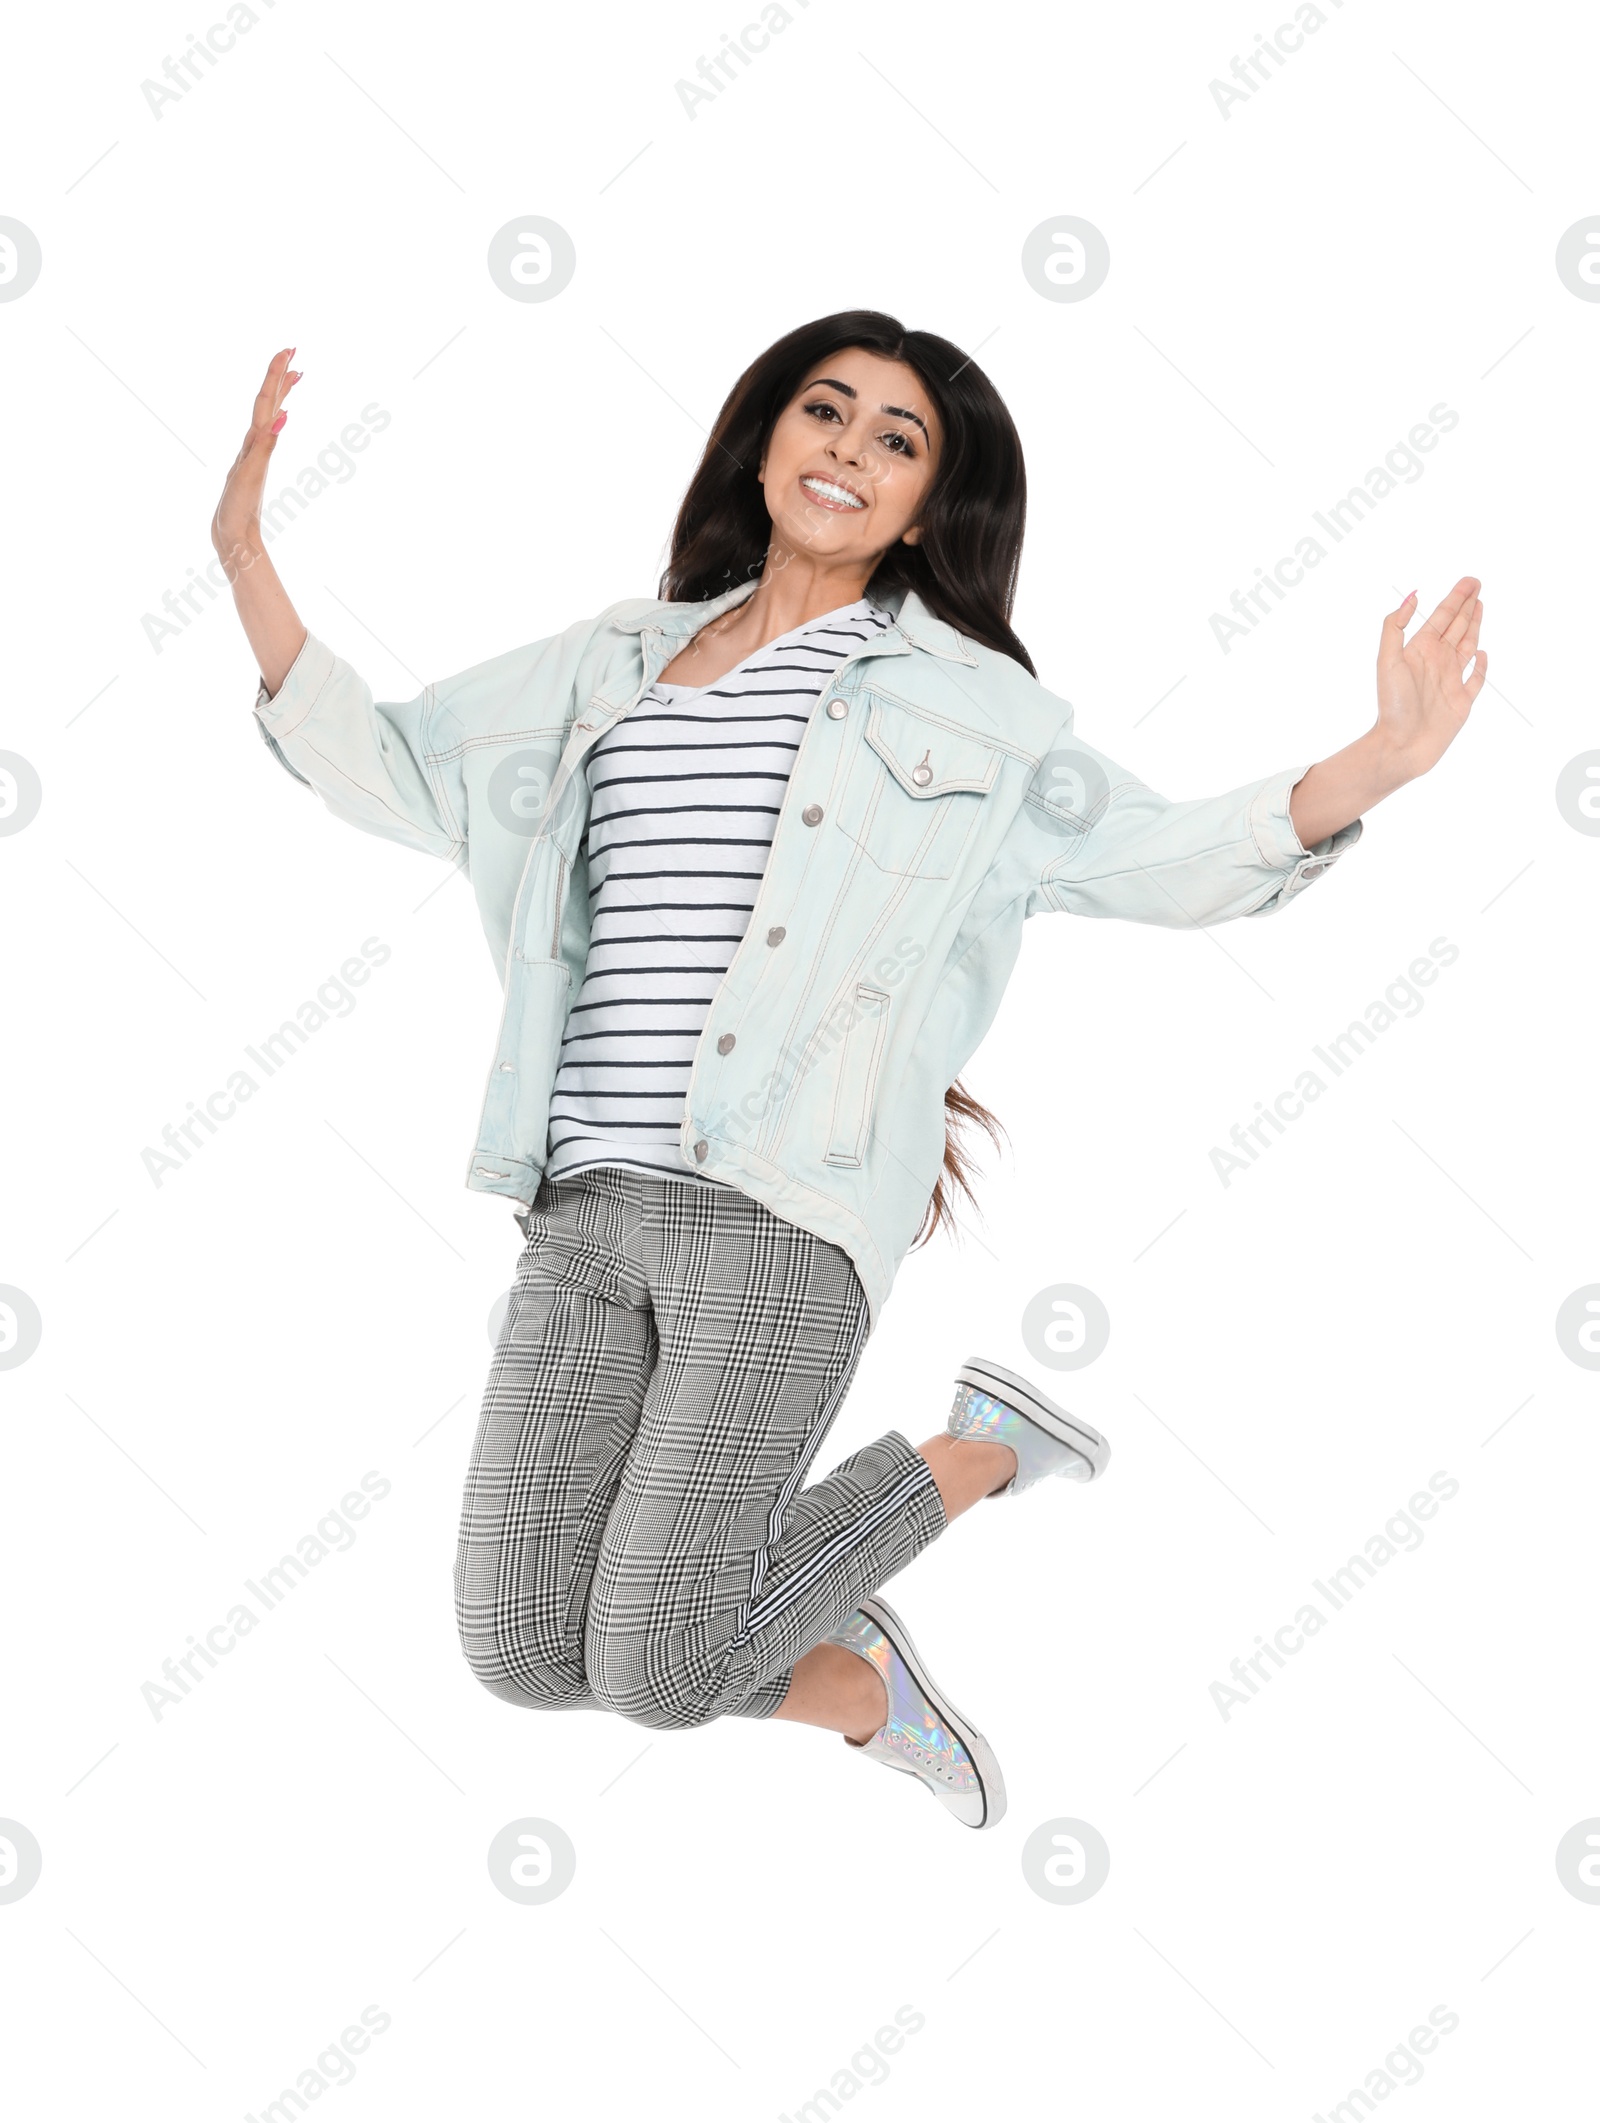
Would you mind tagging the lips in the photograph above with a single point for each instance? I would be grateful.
(831, 493)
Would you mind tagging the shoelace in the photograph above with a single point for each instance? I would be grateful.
(935, 1763)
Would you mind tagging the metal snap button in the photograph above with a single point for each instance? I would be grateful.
(725, 1045)
(776, 936)
(922, 773)
(811, 815)
(1313, 869)
(700, 1150)
(836, 708)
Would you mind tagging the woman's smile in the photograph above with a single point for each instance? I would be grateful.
(830, 493)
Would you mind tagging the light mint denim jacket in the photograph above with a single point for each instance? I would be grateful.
(939, 797)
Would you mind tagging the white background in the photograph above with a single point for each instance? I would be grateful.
(1292, 1889)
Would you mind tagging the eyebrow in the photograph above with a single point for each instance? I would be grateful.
(900, 412)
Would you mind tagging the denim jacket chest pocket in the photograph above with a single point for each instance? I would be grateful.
(914, 790)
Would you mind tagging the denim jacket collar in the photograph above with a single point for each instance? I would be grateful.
(915, 625)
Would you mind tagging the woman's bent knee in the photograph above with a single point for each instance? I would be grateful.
(631, 1676)
(522, 1672)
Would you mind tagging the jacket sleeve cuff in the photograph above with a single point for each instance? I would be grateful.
(283, 712)
(1280, 847)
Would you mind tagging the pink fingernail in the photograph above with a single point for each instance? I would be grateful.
(278, 423)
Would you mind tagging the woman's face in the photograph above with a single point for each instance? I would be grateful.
(850, 459)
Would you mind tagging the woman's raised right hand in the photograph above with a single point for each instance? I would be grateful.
(236, 526)
(270, 621)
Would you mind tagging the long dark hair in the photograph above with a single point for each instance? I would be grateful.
(964, 566)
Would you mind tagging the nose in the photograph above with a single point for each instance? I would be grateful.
(851, 448)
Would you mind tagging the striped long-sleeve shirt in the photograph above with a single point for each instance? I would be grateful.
(685, 793)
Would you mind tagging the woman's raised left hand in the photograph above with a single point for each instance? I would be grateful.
(1423, 699)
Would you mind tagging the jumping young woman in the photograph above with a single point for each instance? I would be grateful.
(753, 860)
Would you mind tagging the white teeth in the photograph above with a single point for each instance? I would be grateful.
(825, 490)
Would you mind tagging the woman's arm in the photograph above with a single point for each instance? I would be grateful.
(269, 619)
(1422, 703)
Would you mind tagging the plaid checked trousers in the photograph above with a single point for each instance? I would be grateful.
(634, 1534)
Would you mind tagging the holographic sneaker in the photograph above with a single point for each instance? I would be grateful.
(994, 1403)
(924, 1734)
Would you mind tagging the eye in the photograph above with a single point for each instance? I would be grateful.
(900, 444)
(824, 405)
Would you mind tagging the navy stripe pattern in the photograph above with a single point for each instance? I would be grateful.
(684, 797)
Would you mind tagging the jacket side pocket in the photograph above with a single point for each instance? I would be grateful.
(858, 1076)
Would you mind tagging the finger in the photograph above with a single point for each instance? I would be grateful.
(268, 434)
(260, 438)
(1455, 645)
(269, 397)
(261, 435)
(280, 392)
(1444, 612)
(269, 382)
(1480, 671)
(1391, 639)
(1456, 632)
